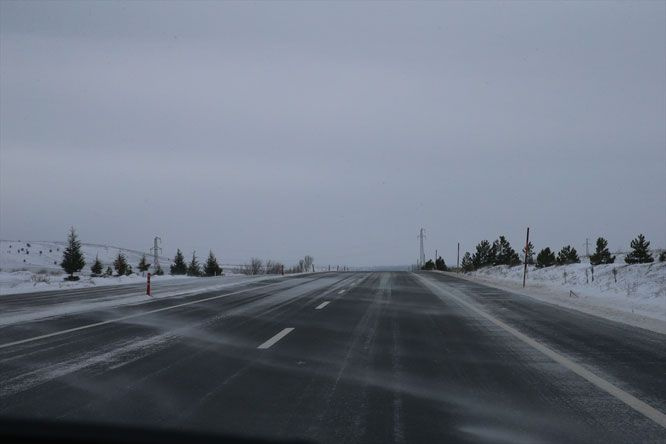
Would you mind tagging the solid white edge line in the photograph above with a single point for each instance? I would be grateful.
(341, 291)
(277, 337)
(135, 315)
(322, 305)
(630, 400)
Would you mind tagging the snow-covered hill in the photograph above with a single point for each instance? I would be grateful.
(41, 255)
(27, 266)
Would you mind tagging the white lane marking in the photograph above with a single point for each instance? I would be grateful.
(123, 318)
(322, 305)
(276, 338)
(630, 400)
(341, 291)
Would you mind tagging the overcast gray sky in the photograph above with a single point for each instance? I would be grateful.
(335, 129)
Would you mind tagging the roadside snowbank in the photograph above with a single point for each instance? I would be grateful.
(27, 282)
(633, 294)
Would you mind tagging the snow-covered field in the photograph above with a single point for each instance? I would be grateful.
(638, 289)
(40, 255)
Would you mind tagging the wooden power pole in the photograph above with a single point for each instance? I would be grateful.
(527, 245)
(458, 260)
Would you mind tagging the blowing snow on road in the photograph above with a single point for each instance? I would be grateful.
(299, 357)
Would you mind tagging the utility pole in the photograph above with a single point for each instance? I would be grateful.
(587, 247)
(156, 250)
(421, 236)
(458, 261)
(527, 244)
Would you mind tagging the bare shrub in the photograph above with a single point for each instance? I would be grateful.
(308, 261)
(254, 267)
(273, 267)
(630, 287)
(40, 278)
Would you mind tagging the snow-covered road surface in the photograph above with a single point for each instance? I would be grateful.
(396, 357)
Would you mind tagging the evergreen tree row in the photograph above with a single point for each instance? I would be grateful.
(122, 266)
(438, 264)
(193, 268)
(501, 253)
(73, 261)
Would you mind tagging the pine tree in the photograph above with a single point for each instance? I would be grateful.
(128, 270)
(467, 263)
(212, 268)
(530, 253)
(194, 269)
(159, 271)
(143, 264)
(602, 254)
(492, 255)
(429, 265)
(108, 272)
(497, 250)
(504, 253)
(567, 255)
(484, 256)
(72, 257)
(545, 258)
(96, 267)
(179, 266)
(641, 251)
(440, 264)
(120, 264)
(662, 256)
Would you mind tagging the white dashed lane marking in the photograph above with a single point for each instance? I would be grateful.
(276, 338)
(322, 305)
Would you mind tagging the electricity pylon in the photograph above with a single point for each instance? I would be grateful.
(421, 236)
(156, 251)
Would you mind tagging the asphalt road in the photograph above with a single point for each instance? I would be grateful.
(334, 357)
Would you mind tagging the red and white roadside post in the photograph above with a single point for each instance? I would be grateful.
(148, 284)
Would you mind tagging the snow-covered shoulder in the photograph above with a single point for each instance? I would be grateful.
(633, 294)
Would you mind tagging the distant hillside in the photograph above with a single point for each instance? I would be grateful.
(39, 255)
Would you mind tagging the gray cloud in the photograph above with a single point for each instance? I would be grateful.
(335, 129)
